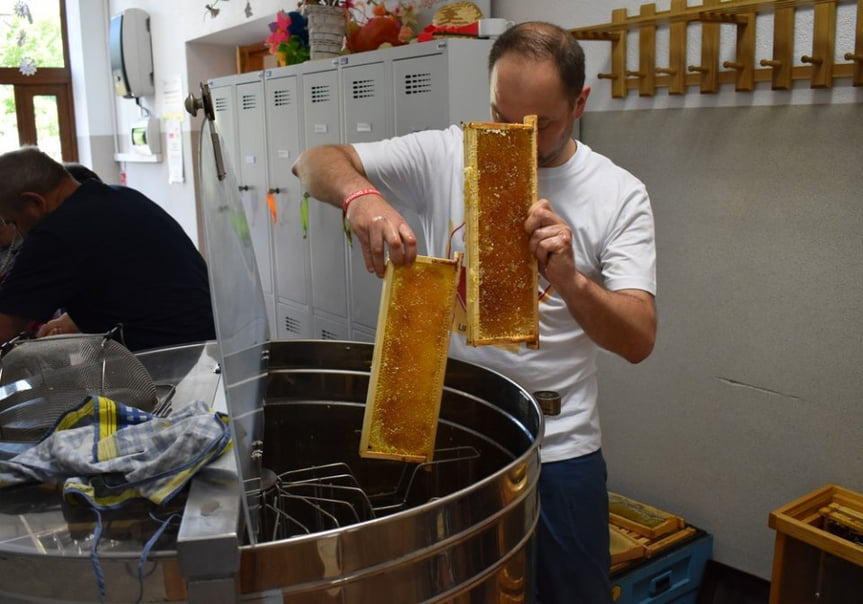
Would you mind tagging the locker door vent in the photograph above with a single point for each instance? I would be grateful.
(293, 325)
(250, 101)
(417, 83)
(220, 104)
(326, 334)
(320, 93)
(282, 98)
(363, 89)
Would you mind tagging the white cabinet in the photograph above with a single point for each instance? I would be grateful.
(315, 284)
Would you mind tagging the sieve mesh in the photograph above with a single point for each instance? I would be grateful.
(41, 379)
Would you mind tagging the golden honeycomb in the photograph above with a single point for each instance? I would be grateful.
(409, 360)
(500, 186)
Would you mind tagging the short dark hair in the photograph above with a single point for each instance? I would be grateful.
(28, 169)
(80, 172)
(545, 42)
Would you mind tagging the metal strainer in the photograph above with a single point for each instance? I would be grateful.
(41, 379)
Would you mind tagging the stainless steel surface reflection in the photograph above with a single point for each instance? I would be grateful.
(45, 544)
(462, 528)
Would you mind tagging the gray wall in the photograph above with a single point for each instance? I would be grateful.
(752, 396)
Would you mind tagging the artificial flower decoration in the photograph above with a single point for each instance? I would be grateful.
(22, 11)
(27, 66)
(289, 38)
(385, 26)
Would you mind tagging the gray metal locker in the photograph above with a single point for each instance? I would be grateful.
(252, 179)
(319, 288)
(436, 84)
(292, 271)
(319, 82)
(367, 109)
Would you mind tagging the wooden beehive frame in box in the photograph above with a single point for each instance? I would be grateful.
(409, 360)
(804, 519)
(638, 530)
(502, 275)
(641, 518)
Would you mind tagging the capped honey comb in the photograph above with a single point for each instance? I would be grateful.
(502, 275)
(409, 360)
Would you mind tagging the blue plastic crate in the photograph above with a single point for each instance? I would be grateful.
(672, 577)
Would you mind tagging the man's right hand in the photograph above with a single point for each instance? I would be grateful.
(379, 227)
(334, 173)
(62, 324)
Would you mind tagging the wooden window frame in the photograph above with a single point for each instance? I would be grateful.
(52, 81)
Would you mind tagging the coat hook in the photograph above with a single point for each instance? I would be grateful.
(813, 60)
(697, 69)
(666, 70)
(634, 74)
(852, 57)
(606, 76)
(732, 65)
(770, 63)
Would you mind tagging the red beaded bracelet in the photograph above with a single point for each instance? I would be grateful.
(350, 198)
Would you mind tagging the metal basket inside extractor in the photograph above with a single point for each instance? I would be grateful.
(330, 496)
(43, 378)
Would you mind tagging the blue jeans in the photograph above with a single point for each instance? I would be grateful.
(573, 558)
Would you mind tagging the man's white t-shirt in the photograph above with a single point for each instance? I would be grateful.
(613, 240)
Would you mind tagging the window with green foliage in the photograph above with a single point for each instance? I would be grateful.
(35, 80)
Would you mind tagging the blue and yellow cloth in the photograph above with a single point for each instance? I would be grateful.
(107, 453)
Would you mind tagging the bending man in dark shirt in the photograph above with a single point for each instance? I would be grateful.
(106, 254)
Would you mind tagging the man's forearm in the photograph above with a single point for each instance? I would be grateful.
(623, 322)
(330, 173)
(11, 326)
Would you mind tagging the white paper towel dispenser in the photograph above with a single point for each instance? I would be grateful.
(131, 54)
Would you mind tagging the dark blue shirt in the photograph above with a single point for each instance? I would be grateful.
(110, 255)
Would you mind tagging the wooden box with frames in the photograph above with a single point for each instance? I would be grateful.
(818, 553)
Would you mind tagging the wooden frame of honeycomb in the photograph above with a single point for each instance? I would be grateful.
(502, 275)
(409, 360)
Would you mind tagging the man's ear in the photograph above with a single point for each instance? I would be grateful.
(34, 201)
(581, 102)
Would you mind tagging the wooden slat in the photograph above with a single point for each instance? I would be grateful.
(647, 54)
(694, 13)
(857, 55)
(823, 45)
(709, 68)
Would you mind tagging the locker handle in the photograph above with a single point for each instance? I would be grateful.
(304, 214)
(276, 190)
(243, 187)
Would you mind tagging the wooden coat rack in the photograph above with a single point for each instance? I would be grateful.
(819, 67)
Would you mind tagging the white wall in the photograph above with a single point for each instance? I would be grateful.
(751, 398)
